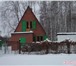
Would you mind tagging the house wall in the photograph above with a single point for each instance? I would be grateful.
(14, 45)
(14, 41)
(28, 36)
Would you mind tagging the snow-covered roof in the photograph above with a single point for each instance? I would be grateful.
(23, 32)
(62, 36)
(37, 42)
(66, 33)
(49, 40)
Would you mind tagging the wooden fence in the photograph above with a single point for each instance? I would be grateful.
(46, 47)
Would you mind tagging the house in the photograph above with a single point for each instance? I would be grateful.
(27, 31)
(61, 36)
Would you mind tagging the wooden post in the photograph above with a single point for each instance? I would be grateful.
(19, 47)
(68, 47)
(47, 48)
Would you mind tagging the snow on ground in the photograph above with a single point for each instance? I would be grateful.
(49, 59)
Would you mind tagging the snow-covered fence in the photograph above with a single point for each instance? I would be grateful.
(53, 47)
(45, 47)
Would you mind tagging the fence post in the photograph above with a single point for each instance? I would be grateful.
(47, 48)
(68, 47)
(19, 47)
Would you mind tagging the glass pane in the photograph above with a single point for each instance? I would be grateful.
(38, 39)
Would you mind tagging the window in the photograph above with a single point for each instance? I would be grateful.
(39, 38)
(25, 25)
(30, 24)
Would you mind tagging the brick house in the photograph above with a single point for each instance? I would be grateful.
(27, 31)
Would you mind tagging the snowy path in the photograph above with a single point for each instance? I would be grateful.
(50, 59)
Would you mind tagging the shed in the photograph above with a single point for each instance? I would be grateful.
(61, 36)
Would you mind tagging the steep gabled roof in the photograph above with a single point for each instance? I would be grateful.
(28, 8)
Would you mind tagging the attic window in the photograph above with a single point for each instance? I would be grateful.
(33, 25)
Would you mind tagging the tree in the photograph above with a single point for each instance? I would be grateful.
(53, 18)
(10, 10)
(44, 18)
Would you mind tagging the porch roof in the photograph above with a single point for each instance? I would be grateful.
(22, 32)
